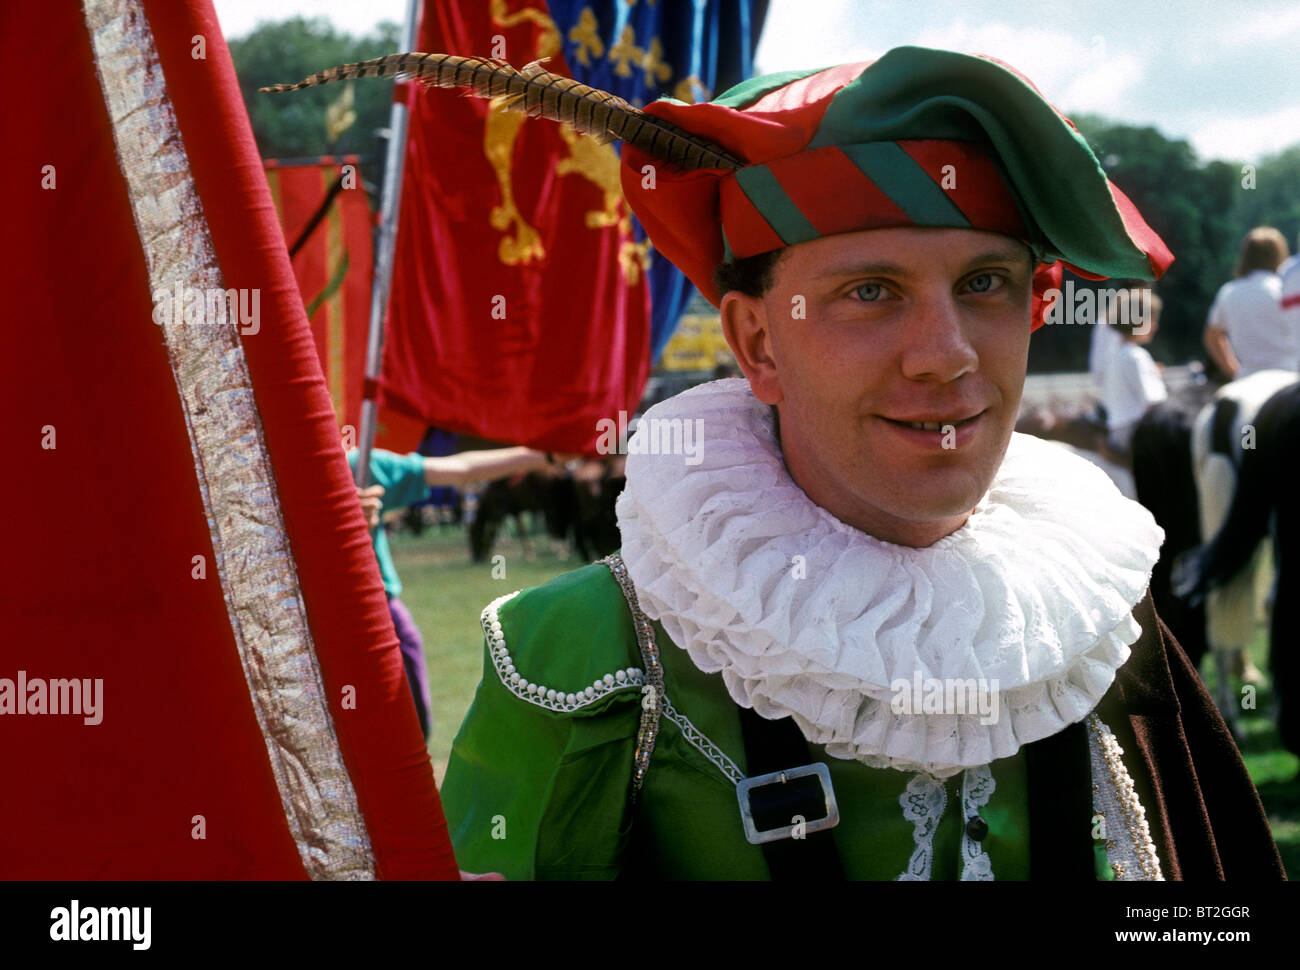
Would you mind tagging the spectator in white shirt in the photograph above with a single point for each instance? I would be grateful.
(1104, 341)
(1131, 381)
(1291, 261)
(1246, 331)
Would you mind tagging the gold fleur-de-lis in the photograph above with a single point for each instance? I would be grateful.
(691, 90)
(634, 260)
(585, 34)
(625, 52)
(655, 67)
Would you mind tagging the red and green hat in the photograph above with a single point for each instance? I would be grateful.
(919, 137)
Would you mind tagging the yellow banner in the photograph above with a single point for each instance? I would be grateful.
(697, 344)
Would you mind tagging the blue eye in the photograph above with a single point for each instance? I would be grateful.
(868, 292)
(984, 283)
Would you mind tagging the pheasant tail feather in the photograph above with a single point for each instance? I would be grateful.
(540, 93)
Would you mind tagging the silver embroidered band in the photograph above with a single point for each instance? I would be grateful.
(653, 700)
(253, 560)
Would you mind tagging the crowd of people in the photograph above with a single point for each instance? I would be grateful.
(1250, 327)
(1252, 342)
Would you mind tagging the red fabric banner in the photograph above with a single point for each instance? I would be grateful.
(334, 266)
(101, 581)
(520, 310)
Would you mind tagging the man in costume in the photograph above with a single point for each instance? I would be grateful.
(871, 633)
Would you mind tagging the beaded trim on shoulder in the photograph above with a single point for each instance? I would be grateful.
(656, 701)
(653, 698)
(563, 700)
(1129, 848)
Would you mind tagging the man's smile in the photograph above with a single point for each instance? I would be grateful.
(935, 422)
(944, 432)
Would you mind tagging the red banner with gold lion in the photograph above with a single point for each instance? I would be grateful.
(520, 310)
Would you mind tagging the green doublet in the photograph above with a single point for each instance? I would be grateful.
(538, 780)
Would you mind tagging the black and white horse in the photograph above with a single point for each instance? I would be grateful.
(1165, 483)
(1263, 500)
(1223, 432)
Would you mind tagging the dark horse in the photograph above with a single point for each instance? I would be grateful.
(1163, 479)
(1166, 485)
(1265, 497)
(578, 505)
(509, 498)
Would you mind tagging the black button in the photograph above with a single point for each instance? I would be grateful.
(977, 828)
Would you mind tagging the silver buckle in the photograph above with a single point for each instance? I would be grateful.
(744, 787)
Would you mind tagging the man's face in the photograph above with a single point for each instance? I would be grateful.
(861, 339)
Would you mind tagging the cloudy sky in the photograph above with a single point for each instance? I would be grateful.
(1220, 73)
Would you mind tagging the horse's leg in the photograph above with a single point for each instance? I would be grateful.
(1283, 648)
(1223, 695)
(523, 537)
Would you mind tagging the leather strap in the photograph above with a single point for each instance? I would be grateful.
(1060, 807)
(778, 746)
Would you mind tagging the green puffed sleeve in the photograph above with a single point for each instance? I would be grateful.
(537, 782)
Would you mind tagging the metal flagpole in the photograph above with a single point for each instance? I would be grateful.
(383, 281)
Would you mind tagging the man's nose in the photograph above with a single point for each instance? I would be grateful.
(936, 344)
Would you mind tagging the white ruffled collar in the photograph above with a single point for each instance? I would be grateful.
(1034, 594)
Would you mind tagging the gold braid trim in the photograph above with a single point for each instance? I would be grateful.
(1115, 799)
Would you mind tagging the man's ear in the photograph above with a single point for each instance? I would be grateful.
(747, 328)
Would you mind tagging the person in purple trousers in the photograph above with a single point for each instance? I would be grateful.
(402, 480)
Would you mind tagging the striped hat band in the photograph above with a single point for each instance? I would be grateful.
(875, 185)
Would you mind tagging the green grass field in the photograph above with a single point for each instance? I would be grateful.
(446, 593)
(1271, 767)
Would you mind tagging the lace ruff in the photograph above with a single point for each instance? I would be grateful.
(1033, 596)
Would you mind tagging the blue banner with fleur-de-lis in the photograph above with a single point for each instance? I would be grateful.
(691, 50)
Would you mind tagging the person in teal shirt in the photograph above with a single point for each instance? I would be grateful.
(401, 480)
